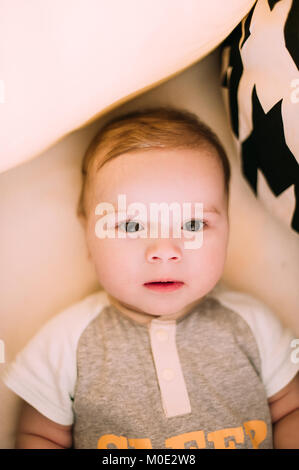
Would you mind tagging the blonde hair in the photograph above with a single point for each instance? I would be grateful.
(147, 129)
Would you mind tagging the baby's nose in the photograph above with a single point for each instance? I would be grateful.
(163, 250)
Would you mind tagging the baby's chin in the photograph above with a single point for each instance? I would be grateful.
(156, 303)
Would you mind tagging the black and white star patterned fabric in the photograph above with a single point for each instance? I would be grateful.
(260, 69)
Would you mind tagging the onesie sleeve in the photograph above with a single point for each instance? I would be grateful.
(275, 342)
(279, 366)
(44, 372)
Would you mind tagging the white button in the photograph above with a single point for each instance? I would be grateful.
(162, 335)
(168, 374)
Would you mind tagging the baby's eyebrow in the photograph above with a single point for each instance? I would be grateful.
(212, 209)
(206, 210)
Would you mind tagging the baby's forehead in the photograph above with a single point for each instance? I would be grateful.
(170, 175)
(158, 163)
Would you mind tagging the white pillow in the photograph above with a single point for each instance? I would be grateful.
(64, 63)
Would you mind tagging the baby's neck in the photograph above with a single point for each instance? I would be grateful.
(145, 318)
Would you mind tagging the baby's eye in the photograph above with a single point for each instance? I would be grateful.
(194, 225)
(130, 226)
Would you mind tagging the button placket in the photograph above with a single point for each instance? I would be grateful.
(174, 394)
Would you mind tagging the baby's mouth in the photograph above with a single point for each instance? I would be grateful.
(164, 286)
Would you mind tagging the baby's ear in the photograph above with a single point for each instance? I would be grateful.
(82, 220)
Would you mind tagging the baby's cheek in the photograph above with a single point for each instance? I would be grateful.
(112, 262)
(211, 256)
(103, 258)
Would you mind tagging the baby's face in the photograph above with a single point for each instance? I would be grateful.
(126, 266)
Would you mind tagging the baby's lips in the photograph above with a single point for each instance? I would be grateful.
(167, 280)
(164, 286)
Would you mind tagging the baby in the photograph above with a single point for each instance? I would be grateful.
(163, 356)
